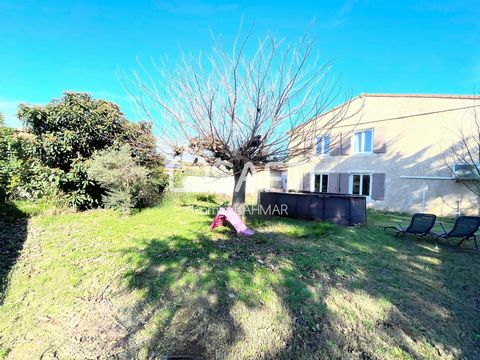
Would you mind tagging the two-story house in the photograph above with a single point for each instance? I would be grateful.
(391, 148)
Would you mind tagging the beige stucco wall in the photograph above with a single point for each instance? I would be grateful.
(224, 185)
(417, 131)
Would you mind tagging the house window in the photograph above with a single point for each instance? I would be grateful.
(321, 183)
(278, 179)
(323, 145)
(466, 171)
(361, 184)
(363, 142)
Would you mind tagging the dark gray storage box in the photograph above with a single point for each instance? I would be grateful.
(341, 209)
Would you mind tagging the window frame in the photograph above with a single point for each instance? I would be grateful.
(325, 146)
(312, 182)
(362, 174)
(372, 142)
(282, 175)
(473, 170)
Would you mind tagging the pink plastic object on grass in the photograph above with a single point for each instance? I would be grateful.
(219, 220)
(230, 215)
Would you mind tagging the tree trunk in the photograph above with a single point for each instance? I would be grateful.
(238, 199)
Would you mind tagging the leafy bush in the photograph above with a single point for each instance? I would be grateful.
(142, 142)
(40, 181)
(21, 174)
(128, 185)
(70, 130)
(178, 177)
(154, 187)
(13, 162)
(72, 127)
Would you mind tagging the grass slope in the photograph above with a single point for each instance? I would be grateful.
(99, 285)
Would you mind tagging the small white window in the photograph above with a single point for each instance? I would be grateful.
(323, 145)
(321, 183)
(361, 184)
(466, 171)
(278, 179)
(363, 142)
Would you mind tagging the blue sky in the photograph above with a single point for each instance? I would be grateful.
(47, 47)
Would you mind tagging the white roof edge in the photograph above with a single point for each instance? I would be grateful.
(439, 96)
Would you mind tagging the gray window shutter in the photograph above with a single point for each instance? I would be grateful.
(335, 145)
(378, 186)
(343, 182)
(306, 182)
(346, 144)
(332, 183)
(379, 140)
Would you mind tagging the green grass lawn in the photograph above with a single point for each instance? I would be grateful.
(101, 285)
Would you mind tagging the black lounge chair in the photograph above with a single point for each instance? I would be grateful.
(420, 225)
(464, 228)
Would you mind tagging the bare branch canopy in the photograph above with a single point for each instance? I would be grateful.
(238, 106)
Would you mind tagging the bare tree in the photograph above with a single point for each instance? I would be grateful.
(463, 157)
(238, 107)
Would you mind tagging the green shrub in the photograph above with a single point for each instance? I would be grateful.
(152, 191)
(21, 174)
(119, 199)
(127, 184)
(68, 131)
(178, 177)
(14, 162)
(40, 181)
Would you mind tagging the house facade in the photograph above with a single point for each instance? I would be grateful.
(391, 148)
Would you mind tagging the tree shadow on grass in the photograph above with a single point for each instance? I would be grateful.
(433, 294)
(197, 288)
(301, 296)
(187, 287)
(13, 233)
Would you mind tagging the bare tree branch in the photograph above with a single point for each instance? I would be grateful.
(463, 157)
(240, 106)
